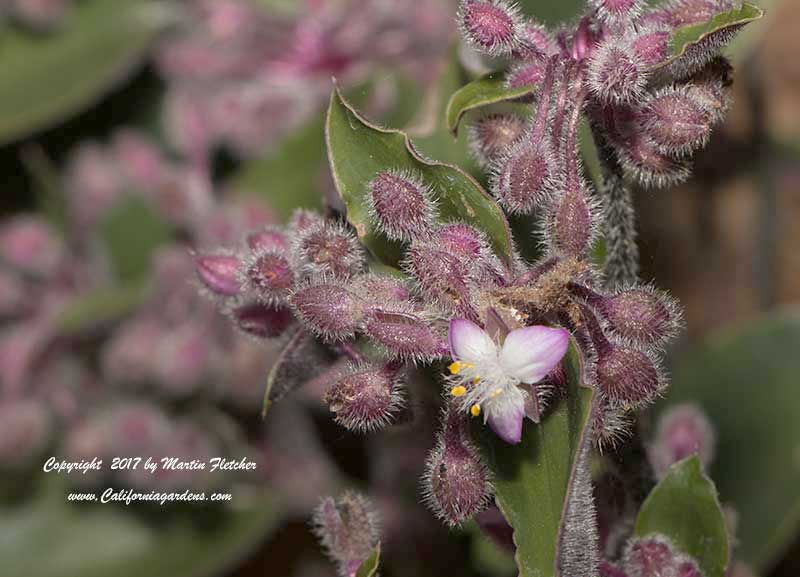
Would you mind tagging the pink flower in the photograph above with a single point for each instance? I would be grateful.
(486, 375)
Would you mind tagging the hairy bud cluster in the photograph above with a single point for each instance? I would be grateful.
(348, 530)
(366, 397)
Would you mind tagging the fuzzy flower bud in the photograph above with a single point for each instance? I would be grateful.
(471, 246)
(455, 484)
(348, 530)
(401, 204)
(523, 177)
(404, 336)
(676, 122)
(627, 377)
(329, 248)
(328, 310)
(139, 158)
(261, 321)
(442, 275)
(270, 275)
(616, 74)
(493, 134)
(654, 556)
(385, 293)
(526, 73)
(30, 245)
(617, 11)
(643, 315)
(268, 239)
(682, 431)
(572, 223)
(219, 273)
(650, 45)
(490, 26)
(366, 398)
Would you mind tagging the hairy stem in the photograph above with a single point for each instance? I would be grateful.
(619, 219)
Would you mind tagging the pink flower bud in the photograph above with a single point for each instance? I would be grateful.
(455, 484)
(260, 320)
(270, 275)
(526, 73)
(184, 360)
(347, 529)
(616, 73)
(405, 336)
(572, 223)
(30, 245)
(536, 40)
(642, 315)
(138, 157)
(676, 122)
(219, 273)
(442, 275)
(366, 398)
(188, 124)
(617, 11)
(25, 431)
(329, 248)
(492, 135)
(385, 293)
(683, 430)
(627, 377)
(134, 428)
(651, 45)
(303, 220)
(401, 205)
(84, 442)
(269, 239)
(522, 178)
(490, 26)
(585, 39)
(94, 182)
(655, 556)
(329, 310)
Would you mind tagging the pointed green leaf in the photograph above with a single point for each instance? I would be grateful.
(684, 508)
(746, 380)
(49, 77)
(489, 89)
(369, 568)
(693, 36)
(358, 150)
(531, 479)
(131, 232)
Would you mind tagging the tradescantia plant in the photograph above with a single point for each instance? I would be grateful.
(542, 364)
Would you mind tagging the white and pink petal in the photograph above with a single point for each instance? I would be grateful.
(530, 353)
(469, 342)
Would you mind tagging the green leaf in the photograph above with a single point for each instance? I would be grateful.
(50, 77)
(487, 90)
(369, 568)
(746, 380)
(531, 479)
(358, 150)
(686, 38)
(291, 176)
(46, 536)
(684, 508)
(101, 307)
(131, 233)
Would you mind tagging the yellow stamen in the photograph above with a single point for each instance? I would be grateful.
(475, 410)
(456, 367)
(496, 393)
(458, 391)
(476, 380)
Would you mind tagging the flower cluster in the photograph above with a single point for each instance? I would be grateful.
(500, 324)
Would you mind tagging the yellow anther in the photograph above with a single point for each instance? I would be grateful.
(496, 393)
(456, 367)
(476, 380)
(458, 391)
(475, 410)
